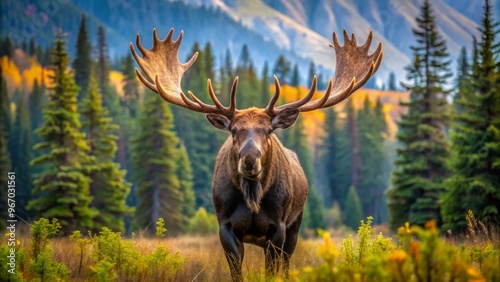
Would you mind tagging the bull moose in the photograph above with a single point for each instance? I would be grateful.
(259, 188)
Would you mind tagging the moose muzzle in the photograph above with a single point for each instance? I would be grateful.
(249, 165)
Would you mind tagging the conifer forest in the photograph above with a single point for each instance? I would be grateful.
(103, 180)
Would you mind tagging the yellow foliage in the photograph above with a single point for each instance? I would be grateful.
(116, 79)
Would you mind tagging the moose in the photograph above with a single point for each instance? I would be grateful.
(259, 188)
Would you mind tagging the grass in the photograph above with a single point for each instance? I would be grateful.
(418, 254)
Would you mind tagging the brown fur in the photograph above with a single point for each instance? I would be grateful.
(250, 209)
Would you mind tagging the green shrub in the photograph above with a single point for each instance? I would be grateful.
(420, 255)
(203, 223)
(43, 267)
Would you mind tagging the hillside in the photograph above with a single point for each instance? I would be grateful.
(299, 29)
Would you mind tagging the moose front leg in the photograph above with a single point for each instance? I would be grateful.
(273, 249)
(233, 249)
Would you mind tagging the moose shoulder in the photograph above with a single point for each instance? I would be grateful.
(259, 188)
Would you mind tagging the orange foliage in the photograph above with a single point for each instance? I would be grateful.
(313, 121)
(23, 80)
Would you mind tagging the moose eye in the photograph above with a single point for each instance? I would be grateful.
(233, 131)
(269, 131)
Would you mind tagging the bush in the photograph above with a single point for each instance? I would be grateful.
(203, 223)
(41, 264)
(420, 255)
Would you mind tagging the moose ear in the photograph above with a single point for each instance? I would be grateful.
(221, 122)
(285, 118)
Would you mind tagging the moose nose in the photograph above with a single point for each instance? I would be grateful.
(249, 162)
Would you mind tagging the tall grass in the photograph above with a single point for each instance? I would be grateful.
(416, 254)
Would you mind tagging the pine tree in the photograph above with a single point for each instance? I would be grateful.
(475, 136)
(314, 208)
(344, 156)
(130, 98)
(62, 187)
(421, 166)
(311, 73)
(282, 69)
(209, 62)
(373, 168)
(5, 105)
(463, 75)
(295, 76)
(391, 83)
(353, 213)
(102, 71)
(36, 103)
(21, 156)
(185, 174)
(5, 163)
(155, 158)
(331, 146)
(108, 187)
(83, 61)
(8, 48)
(265, 93)
(32, 47)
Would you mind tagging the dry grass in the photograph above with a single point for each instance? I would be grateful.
(205, 257)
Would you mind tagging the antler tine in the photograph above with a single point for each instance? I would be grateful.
(212, 95)
(270, 109)
(346, 38)
(327, 93)
(368, 42)
(163, 73)
(354, 67)
(305, 99)
(232, 103)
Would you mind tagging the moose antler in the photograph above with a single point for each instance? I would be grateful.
(164, 72)
(353, 69)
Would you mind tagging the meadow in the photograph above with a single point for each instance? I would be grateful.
(414, 254)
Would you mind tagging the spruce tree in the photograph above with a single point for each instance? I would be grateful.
(130, 98)
(36, 103)
(331, 147)
(21, 156)
(311, 73)
(5, 163)
(475, 136)
(295, 76)
(265, 93)
(421, 166)
(109, 97)
(83, 61)
(353, 213)
(155, 158)
(62, 188)
(108, 187)
(282, 69)
(373, 168)
(344, 156)
(5, 105)
(314, 208)
(185, 174)
(32, 47)
(209, 62)
(8, 48)
(391, 83)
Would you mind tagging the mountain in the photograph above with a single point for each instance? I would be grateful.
(299, 29)
(306, 26)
